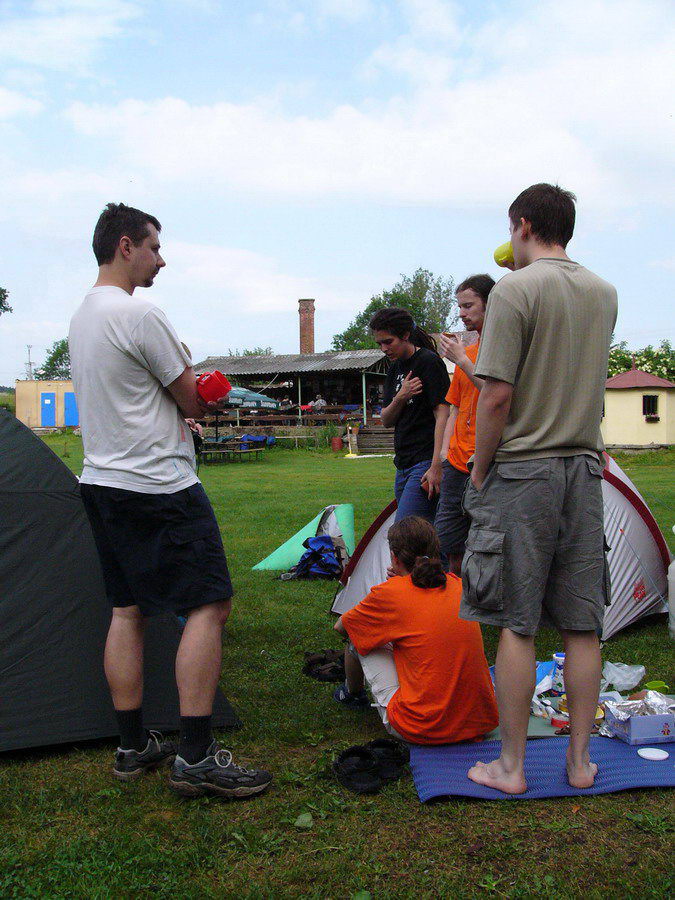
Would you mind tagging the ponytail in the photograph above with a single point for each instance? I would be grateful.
(428, 573)
(421, 338)
(399, 322)
(415, 542)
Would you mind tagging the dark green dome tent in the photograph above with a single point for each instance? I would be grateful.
(54, 615)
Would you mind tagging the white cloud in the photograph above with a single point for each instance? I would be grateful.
(13, 104)
(63, 34)
(233, 280)
(349, 10)
(300, 16)
(477, 128)
(405, 57)
(438, 19)
(668, 264)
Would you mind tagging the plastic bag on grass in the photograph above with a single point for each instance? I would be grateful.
(621, 675)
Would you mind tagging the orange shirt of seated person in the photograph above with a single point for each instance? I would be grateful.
(445, 693)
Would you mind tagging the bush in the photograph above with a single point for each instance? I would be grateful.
(8, 401)
(327, 432)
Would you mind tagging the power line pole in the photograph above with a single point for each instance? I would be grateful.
(29, 364)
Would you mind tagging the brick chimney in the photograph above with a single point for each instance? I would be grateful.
(306, 311)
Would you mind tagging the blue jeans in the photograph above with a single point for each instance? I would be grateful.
(411, 497)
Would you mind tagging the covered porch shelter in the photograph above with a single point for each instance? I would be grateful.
(345, 379)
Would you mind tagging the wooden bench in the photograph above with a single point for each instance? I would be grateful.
(211, 453)
(244, 454)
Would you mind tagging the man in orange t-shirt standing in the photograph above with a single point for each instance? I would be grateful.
(459, 440)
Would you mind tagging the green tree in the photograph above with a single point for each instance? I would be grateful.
(254, 351)
(4, 303)
(655, 360)
(428, 298)
(57, 365)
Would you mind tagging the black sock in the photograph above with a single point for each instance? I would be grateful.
(132, 734)
(195, 739)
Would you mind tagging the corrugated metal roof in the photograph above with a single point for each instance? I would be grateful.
(636, 378)
(332, 361)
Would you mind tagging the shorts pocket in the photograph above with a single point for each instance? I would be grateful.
(594, 467)
(530, 470)
(482, 569)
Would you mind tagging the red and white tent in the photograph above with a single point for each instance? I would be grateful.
(638, 559)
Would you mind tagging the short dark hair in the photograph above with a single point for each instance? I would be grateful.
(479, 284)
(550, 211)
(399, 321)
(117, 221)
(415, 542)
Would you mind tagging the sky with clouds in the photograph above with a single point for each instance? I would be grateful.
(320, 148)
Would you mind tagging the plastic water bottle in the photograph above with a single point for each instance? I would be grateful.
(557, 677)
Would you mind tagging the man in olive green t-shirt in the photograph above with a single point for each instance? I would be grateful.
(535, 551)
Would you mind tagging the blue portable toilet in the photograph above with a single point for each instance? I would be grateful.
(48, 409)
(71, 415)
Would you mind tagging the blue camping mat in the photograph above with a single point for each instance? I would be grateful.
(440, 771)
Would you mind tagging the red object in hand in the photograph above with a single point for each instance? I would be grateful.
(213, 386)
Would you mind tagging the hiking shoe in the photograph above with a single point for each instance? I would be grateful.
(217, 774)
(130, 764)
(357, 769)
(392, 757)
(358, 700)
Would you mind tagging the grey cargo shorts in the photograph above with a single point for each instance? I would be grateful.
(536, 551)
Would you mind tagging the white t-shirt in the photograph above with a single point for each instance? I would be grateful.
(123, 353)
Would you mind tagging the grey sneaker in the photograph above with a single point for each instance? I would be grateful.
(217, 774)
(130, 764)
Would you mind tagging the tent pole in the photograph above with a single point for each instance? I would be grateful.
(363, 386)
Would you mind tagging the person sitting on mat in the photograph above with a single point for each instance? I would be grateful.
(425, 666)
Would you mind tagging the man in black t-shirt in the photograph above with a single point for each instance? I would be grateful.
(414, 403)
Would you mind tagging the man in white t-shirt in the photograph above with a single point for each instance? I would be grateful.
(155, 530)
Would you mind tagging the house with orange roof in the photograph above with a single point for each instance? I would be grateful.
(639, 410)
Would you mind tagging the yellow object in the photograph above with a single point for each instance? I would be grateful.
(504, 255)
(562, 707)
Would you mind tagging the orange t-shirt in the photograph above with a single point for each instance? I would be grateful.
(445, 692)
(464, 395)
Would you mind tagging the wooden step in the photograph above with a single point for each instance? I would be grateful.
(375, 439)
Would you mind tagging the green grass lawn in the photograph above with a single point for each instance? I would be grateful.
(67, 829)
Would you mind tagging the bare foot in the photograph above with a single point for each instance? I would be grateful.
(495, 776)
(581, 776)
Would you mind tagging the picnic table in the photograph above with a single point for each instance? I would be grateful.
(228, 450)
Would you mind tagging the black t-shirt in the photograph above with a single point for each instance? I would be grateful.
(414, 430)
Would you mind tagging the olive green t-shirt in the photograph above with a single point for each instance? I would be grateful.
(547, 332)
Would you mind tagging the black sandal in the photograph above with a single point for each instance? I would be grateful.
(392, 757)
(358, 770)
